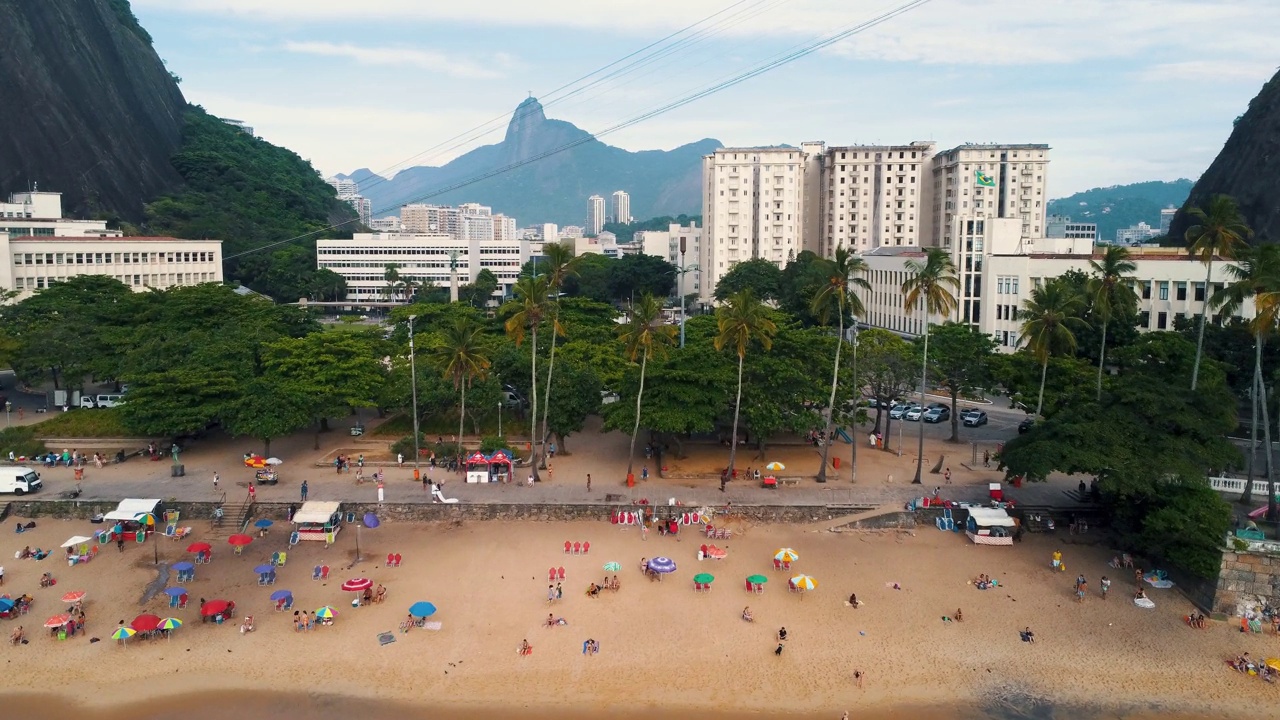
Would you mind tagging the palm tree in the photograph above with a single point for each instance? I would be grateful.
(1050, 318)
(462, 357)
(837, 297)
(1256, 277)
(643, 335)
(391, 274)
(930, 286)
(1110, 290)
(741, 319)
(1219, 231)
(560, 263)
(531, 305)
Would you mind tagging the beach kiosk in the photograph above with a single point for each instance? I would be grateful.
(129, 516)
(989, 526)
(318, 520)
(478, 468)
(500, 466)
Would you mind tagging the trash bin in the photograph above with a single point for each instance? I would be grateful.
(835, 462)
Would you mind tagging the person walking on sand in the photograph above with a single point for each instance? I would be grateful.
(559, 591)
(588, 482)
(400, 459)
(551, 594)
(986, 458)
(1081, 591)
(215, 480)
(303, 490)
(857, 680)
(947, 476)
(253, 492)
(1106, 587)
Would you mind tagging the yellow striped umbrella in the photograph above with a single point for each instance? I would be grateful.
(786, 555)
(804, 582)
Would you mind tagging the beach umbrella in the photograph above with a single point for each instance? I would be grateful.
(757, 579)
(264, 569)
(804, 582)
(145, 623)
(786, 555)
(199, 547)
(6, 604)
(183, 566)
(279, 595)
(175, 591)
(1273, 663)
(704, 578)
(57, 621)
(73, 596)
(273, 461)
(263, 523)
(145, 519)
(123, 633)
(213, 607)
(422, 609)
(239, 540)
(357, 584)
(612, 566)
(775, 466)
(326, 612)
(662, 565)
(80, 540)
(170, 624)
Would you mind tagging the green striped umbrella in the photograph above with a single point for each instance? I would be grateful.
(704, 578)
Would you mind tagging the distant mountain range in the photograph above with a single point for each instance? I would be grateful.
(1122, 206)
(554, 189)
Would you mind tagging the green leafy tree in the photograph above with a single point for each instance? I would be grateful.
(459, 353)
(1256, 277)
(559, 264)
(1219, 231)
(332, 372)
(802, 279)
(888, 366)
(930, 288)
(478, 293)
(762, 276)
(838, 299)
(1050, 318)
(783, 390)
(265, 409)
(530, 307)
(961, 362)
(591, 281)
(1110, 289)
(741, 320)
(574, 396)
(395, 285)
(640, 274)
(644, 335)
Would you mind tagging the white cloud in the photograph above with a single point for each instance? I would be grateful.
(424, 59)
(1209, 71)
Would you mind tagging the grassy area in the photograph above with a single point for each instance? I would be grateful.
(20, 440)
(100, 423)
(439, 425)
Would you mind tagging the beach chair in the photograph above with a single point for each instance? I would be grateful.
(777, 564)
(284, 556)
(324, 573)
(567, 547)
(710, 531)
(551, 575)
(271, 578)
(170, 530)
(173, 601)
(262, 579)
(391, 560)
(586, 548)
(786, 565)
(560, 573)
(180, 533)
(275, 558)
(703, 549)
(399, 557)
(239, 549)
(182, 601)
(288, 603)
(315, 573)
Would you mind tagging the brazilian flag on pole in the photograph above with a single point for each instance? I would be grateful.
(984, 180)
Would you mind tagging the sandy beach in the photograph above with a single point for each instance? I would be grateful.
(663, 647)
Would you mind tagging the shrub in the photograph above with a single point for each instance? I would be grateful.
(100, 423)
(21, 441)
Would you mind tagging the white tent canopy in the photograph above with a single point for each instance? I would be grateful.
(131, 508)
(315, 512)
(77, 540)
(989, 517)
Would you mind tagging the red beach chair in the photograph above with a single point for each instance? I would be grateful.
(324, 572)
(710, 531)
(613, 517)
(182, 600)
(577, 548)
(560, 574)
(391, 559)
(568, 546)
(398, 559)
(586, 548)
(777, 564)
(551, 574)
(703, 548)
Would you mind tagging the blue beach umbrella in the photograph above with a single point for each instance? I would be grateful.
(6, 604)
(422, 609)
(175, 591)
(264, 569)
(263, 523)
(183, 566)
(279, 595)
(662, 565)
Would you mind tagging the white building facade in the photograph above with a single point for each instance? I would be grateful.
(1136, 234)
(667, 245)
(621, 207)
(595, 215)
(1061, 226)
(874, 196)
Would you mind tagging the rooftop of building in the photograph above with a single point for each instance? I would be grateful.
(109, 238)
(913, 145)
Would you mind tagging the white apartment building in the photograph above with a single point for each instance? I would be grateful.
(571, 232)
(1061, 226)
(1135, 234)
(1009, 266)
(345, 187)
(349, 192)
(389, 224)
(504, 228)
(423, 258)
(431, 219)
(667, 244)
(39, 247)
(621, 207)
(875, 195)
(754, 206)
(1166, 219)
(595, 215)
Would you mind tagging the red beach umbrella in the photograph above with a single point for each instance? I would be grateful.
(57, 621)
(357, 584)
(145, 623)
(73, 596)
(199, 547)
(213, 607)
(240, 540)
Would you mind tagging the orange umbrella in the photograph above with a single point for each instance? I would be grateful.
(73, 596)
(240, 540)
(199, 547)
(57, 621)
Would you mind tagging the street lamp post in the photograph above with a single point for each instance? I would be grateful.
(413, 381)
(680, 288)
(499, 418)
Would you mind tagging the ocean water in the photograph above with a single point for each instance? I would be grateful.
(239, 705)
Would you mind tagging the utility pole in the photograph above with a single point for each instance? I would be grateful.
(680, 287)
(413, 381)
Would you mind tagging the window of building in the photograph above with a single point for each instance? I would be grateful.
(1180, 290)
(1164, 291)
(1162, 321)
(1199, 292)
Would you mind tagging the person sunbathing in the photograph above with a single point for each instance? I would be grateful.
(247, 625)
(746, 614)
(367, 598)
(16, 636)
(46, 580)
(26, 553)
(525, 647)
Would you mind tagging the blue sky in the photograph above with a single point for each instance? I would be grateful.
(1123, 90)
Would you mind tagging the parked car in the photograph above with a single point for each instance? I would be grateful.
(936, 414)
(897, 411)
(1026, 425)
(914, 414)
(973, 417)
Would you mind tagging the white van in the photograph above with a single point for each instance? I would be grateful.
(101, 401)
(19, 480)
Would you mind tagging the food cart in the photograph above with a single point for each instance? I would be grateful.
(990, 526)
(266, 476)
(494, 467)
(500, 466)
(129, 516)
(318, 520)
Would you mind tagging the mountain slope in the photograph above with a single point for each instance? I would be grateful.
(556, 188)
(1248, 168)
(88, 108)
(1122, 206)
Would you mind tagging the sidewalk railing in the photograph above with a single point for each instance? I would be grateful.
(1236, 486)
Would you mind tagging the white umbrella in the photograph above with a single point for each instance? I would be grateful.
(274, 461)
(77, 540)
